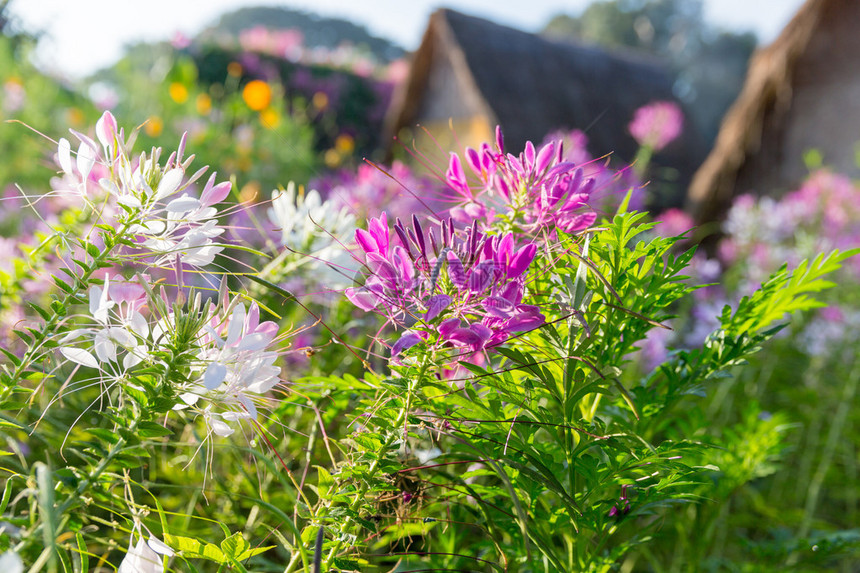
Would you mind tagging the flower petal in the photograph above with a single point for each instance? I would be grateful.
(435, 305)
(80, 356)
(214, 375)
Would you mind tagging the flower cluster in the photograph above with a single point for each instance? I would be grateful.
(820, 216)
(140, 195)
(233, 364)
(611, 186)
(460, 288)
(760, 235)
(229, 365)
(316, 228)
(537, 189)
(359, 190)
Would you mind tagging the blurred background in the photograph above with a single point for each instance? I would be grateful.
(764, 164)
(333, 67)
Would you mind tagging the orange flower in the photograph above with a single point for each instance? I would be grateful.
(234, 69)
(320, 101)
(74, 116)
(204, 104)
(332, 158)
(257, 95)
(344, 144)
(153, 126)
(270, 118)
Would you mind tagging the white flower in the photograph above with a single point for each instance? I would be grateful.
(119, 326)
(145, 556)
(316, 228)
(11, 562)
(165, 225)
(235, 366)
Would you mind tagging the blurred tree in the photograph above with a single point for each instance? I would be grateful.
(709, 64)
(11, 29)
(316, 30)
(31, 99)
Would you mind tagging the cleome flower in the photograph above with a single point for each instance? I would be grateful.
(145, 556)
(657, 124)
(453, 287)
(317, 229)
(536, 190)
(119, 332)
(225, 362)
(150, 199)
(233, 366)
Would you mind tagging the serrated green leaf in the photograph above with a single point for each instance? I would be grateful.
(193, 548)
(254, 551)
(325, 482)
(12, 358)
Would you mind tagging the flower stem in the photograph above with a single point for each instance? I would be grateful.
(374, 467)
(51, 323)
(99, 469)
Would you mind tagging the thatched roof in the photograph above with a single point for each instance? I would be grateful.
(787, 105)
(531, 86)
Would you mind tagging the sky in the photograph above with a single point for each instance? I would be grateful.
(82, 36)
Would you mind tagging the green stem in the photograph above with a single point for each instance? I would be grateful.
(80, 284)
(833, 440)
(374, 467)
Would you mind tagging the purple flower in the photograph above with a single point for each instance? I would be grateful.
(536, 186)
(409, 339)
(464, 287)
(622, 507)
(375, 238)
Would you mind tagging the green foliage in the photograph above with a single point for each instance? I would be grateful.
(556, 451)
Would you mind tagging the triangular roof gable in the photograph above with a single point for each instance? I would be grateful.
(762, 105)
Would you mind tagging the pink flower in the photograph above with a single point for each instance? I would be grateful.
(538, 186)
(657, 124)
(674, 222)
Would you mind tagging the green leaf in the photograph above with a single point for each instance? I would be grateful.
(39, 310)
(12, 358)
(193, 548)
(7, 495)
(325, 482)
(625, 393)
(235, 545)
(136, 451)
(104, 435)
(82, 552)
(152, 430)
(254, 551)
(62, 285)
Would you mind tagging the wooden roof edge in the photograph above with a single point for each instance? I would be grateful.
(407, 98)
(767, 87)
